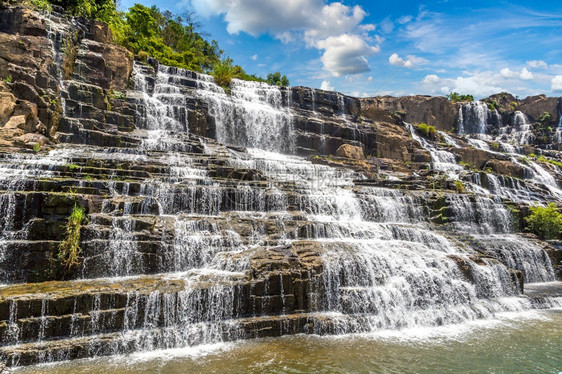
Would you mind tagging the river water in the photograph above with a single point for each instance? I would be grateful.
(523, 342)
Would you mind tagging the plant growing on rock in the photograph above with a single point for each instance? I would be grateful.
(459, 186)
(545, 222)
(69, 248)
(427, 131)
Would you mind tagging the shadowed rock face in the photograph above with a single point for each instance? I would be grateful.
(196, 231)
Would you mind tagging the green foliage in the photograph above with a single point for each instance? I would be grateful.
(544, 118)
(118, 95)
(275, 79)
(42, 5)
(456, 97)
(546, 222)
(171, 39)
(36, 147)
(459, 186)
(427, 131)
(545, 160)
(69, 248)
(143, 56)
(492, 104)
(72, 167)
(224, 72)
(8, 79)
(495, 146)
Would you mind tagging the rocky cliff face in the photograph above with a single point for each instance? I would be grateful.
(263, 212)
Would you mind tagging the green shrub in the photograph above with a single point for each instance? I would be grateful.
(69, 249)
(427, 131)
(459, 186)
(36, 147)
(545, 222)
(72, 167)
(143, 56)
(223, 72)
(545, 118)
(495, 146)
(42, 5)
(554, 162)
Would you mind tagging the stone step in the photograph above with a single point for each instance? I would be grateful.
(112, 343)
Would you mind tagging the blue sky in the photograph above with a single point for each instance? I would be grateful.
(369, 48)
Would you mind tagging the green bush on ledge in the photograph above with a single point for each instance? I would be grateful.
(545, 222)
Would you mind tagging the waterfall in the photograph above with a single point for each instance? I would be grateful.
(473, 118)
(193, 241)
(253, 114)
(441, 160)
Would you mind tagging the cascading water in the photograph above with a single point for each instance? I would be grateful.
(185, 231)
(441, 160)
(253, 114)
(473, 118)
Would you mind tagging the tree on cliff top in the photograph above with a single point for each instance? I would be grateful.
(172, 39)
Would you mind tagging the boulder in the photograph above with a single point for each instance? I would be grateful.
(350, 151)
(474, 157)
(507, 168)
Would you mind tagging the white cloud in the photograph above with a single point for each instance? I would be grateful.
(335, 28)
(326, 86)
(396, 60)
(556, 84)
(537, 64)
(479, 84)
(431, 78)
(417, 60)
(346, 54)
(507, 73)
(404, 19)
(254, 57)
(526, 74)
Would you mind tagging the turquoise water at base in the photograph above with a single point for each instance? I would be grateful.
(528, 342)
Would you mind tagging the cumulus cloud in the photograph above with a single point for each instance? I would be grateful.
(326, 86)
(537, 64)
(524, 74)
(346, 54)
(254, 57)
(556, 84)
(334, 28)
(478, 84)
(396, 60)
(431, 78)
